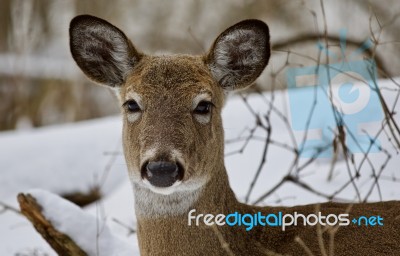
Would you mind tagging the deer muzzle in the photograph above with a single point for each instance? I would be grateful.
(162, 173)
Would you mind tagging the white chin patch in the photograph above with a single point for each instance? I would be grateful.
(163, 191)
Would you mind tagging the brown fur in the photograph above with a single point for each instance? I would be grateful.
(167, 86)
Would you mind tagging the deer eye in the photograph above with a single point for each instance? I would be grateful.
(203, 108)
(132, 106)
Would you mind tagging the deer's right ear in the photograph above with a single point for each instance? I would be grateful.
(101, 50)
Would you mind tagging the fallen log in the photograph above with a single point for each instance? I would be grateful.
(60, 242)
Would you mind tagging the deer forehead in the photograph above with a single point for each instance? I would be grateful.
(181, 79)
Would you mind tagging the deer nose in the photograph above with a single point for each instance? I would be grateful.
(162, 173)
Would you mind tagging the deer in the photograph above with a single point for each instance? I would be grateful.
(173, 143)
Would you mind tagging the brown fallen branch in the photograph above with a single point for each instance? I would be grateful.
(60, 242)
(82, 199)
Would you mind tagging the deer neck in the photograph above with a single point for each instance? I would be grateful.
(217, 196)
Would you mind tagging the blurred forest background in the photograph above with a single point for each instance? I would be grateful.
(41, 85)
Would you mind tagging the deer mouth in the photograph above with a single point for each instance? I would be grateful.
(162, 174)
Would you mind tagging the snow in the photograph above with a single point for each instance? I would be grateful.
(50, 156)
(62, 159)
(95, 238)
(74, 157)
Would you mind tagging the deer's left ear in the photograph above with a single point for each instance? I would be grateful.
(239, 54)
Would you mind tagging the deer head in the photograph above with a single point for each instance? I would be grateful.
(172, 129)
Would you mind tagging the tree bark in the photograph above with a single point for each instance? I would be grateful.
(60, 242)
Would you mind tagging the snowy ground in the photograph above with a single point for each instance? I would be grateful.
(76, 157)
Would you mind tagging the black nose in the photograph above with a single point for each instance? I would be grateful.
(162, 174)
